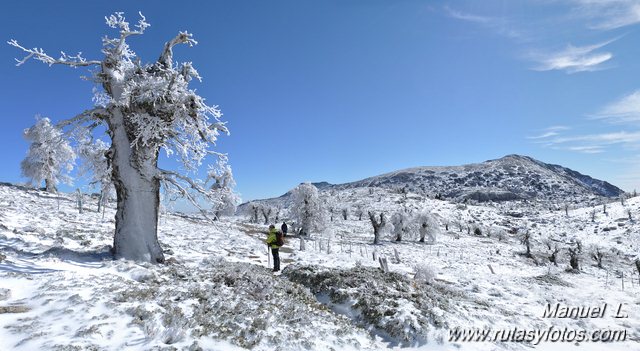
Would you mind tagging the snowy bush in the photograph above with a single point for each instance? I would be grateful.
(241, 303)
(387, 304)
(424, 273)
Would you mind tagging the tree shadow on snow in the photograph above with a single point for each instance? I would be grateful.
(30, 262)
(24, 266)
(85, 258)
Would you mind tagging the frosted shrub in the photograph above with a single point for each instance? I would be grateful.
(424, 273)
(389, 304)
(237, 302)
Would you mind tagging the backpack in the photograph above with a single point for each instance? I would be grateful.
(279, 239)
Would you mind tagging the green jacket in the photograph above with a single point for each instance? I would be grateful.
(271, 239)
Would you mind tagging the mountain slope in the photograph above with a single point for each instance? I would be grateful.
(513, 177)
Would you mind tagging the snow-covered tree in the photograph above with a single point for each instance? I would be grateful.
(307, 209)
(96, 165)
(330, 203)
(400, 222)
(427, 227)
(378, 226)
(253, 209)
(50, 157)
(223, 183)
(266, 211)
(359, 211)
(146, 108)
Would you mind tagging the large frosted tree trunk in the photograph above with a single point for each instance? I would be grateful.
(138, 193)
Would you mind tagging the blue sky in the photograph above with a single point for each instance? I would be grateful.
(341, 90)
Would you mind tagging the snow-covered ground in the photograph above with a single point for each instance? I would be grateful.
(60, 289)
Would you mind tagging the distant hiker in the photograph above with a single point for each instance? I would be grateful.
(284, 228)
(272, 242)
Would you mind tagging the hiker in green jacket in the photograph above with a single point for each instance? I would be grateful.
(272, 240)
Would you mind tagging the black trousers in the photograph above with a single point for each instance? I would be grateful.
(276, 259)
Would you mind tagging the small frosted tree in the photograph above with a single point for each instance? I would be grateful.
(226, 199)
(307, 209)
(96, 166)
(400, 223)
(253, 208)
(359, 212)
(330, 202)
(378, 226)
(266, 211)
(146, 108)
(427, 227)
(50, 157)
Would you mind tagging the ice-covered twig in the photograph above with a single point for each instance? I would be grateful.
(174, 179)
(40, 55)
(117, 21)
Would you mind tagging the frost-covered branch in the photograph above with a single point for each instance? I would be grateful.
(166, 58)
(40, 55)
(118, 21)
(85, 116)
(182, 185)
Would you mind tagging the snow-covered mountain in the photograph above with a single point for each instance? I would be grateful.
(513, 177)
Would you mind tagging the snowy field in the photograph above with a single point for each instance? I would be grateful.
(60, 289)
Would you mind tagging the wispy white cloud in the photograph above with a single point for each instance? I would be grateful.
(558, 128)
(601, 139)
(573, 58)
(588, 149)
(624, 110)
(609, 14)
(588, 143)
(549, 132)
(498, 24)
(468, 17)
(543, 135)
